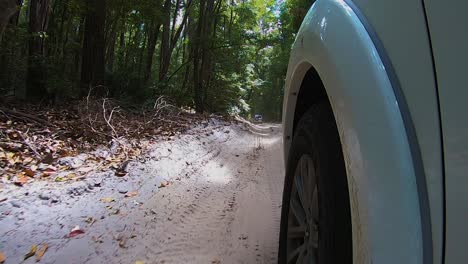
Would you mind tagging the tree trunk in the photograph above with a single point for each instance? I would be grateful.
(36, 74)
(165, 41)
(93, 61)
(197, 80)
(169, 41)
(152, 39)
(7, 9)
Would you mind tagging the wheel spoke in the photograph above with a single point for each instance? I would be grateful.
(297, 209)
(303, 220)
(300, 259)
(296, 232)
(315, 205)
(311, 256)
(296, 252)
(305, 183)
(299, 181)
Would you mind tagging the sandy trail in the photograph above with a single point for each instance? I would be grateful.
(222, 205)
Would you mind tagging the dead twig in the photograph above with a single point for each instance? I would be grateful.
(108, 119)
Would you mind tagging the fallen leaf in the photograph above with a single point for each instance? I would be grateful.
(2, 257)
(164, 184)
(41, 252)
(71, 175)
(14, 135)
(20, 181)
(122, 243)
(49, 171)
(31, 252)
(131, 194)
(48, 158)
(139, 262)
(85, 170)
(29, 172)
(107, 200)
(75, 231)
(90, 220)
(120, 173)
(97, 239)
(57, 179)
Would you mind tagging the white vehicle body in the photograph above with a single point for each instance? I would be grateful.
(392, 72)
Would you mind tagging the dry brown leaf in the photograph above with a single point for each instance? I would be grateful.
(20, 181)
(29, 172)
(131, 194)
(90, 220)
(107, 200)
(31, 252)
(120, 173)
(2, 258)
(50, 171)
(41, 252)
(139, 262)
(85, 170)
(122, 243)
(164, 184)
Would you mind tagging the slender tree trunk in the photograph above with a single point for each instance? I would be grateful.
(121, 50)
(110, 49)
(165, 41)
(152, 40)
(8, 8)
(169, 41)
(36, 74)
(197, 80)
(93, 61)
(77, 52)
(60, 41)
(141, 55)
(14, 20)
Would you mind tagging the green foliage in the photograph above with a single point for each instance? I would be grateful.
(244, 51)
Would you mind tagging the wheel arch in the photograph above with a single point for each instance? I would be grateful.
(385, 190)
(311, 92)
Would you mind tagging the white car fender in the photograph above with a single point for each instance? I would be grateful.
(388, 201)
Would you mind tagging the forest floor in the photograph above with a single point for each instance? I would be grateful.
(207, 190)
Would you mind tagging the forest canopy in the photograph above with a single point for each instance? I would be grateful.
(219, 56)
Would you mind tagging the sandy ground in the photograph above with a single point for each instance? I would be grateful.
(222, 205)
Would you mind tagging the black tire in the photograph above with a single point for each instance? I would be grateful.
(317, 137)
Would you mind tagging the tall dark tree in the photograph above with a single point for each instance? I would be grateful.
(36, 74)
(93, 53)
(151, 47)
(7, 9)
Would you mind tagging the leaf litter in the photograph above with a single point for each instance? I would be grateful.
(39, 142)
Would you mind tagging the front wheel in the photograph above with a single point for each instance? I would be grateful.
(315, 217)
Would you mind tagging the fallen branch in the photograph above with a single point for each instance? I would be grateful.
(24, 116)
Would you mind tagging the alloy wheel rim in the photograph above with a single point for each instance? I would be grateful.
(303, 219)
